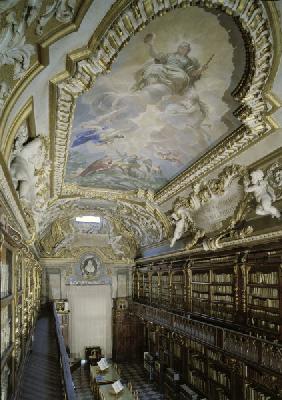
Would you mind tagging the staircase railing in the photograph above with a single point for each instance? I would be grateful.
(64, 360)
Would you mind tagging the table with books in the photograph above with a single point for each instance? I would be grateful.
(106, 392)
(99, 378)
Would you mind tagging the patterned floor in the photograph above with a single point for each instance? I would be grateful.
(136, 374)
(81, 383)
(133, 373)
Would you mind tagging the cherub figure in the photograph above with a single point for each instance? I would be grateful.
(181, 219)
(264, 194)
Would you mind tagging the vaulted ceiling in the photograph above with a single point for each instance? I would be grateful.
(115, 108)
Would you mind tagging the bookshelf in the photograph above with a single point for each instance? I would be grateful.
(222, 315)
(165, 289)
(263, 297)
(216, 371)
(240, 289)
(222, 295)
(155, 287)
(201, 296)
(177, 284)
(20, 301)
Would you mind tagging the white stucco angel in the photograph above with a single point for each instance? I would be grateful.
(27, 157)
(13, 47)
(181, 219)
(264, 194)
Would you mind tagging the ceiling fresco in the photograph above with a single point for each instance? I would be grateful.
(165, 103)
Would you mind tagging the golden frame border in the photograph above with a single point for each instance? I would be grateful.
(76, 66)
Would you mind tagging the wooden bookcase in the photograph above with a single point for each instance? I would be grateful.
(218, 317)
(244, 289)
(20, 302)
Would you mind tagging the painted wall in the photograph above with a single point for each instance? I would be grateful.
(90, 318)
(90, 302)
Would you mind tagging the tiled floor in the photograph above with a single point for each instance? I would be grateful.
(81, 383)
(133, 373)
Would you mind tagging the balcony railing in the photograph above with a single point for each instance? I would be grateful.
(248, 348)
(64, 360)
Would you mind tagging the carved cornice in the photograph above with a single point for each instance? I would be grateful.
(119, 25)
(249, 241)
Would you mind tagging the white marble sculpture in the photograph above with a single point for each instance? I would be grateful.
(181, 219)
(264, 194)
(13, 47)
(26, 159)
(62, 10)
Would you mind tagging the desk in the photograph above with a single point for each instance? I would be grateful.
(98, 378)
(106, 392)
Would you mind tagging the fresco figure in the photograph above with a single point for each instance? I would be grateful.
(174, 70)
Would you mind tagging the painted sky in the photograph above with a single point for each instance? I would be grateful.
(152, 116)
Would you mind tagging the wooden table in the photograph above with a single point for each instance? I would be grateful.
(106, 392)
(98, 378)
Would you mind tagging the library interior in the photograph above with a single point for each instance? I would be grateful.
(129, 274)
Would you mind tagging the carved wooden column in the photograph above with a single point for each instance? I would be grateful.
(245, 271)
(170, 284)
(189, 286)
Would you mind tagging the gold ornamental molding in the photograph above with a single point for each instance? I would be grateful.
(123, 21)
(231, 244)
(49, 37)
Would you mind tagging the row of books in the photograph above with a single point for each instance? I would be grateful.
(217, 297)
(4, 279)
(255, 394)
(270, 278)
(201, 277)
(223, 278)
(199, 295)
(219, 377)
(261, 323)
(261, 302)
(200, 288)
(223, 290)
(263, 292)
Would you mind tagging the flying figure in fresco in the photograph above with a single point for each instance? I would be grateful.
(98, 138)
(169, 156)
(175, 71)
(99, 165)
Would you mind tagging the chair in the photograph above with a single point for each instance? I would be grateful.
(135, 395)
